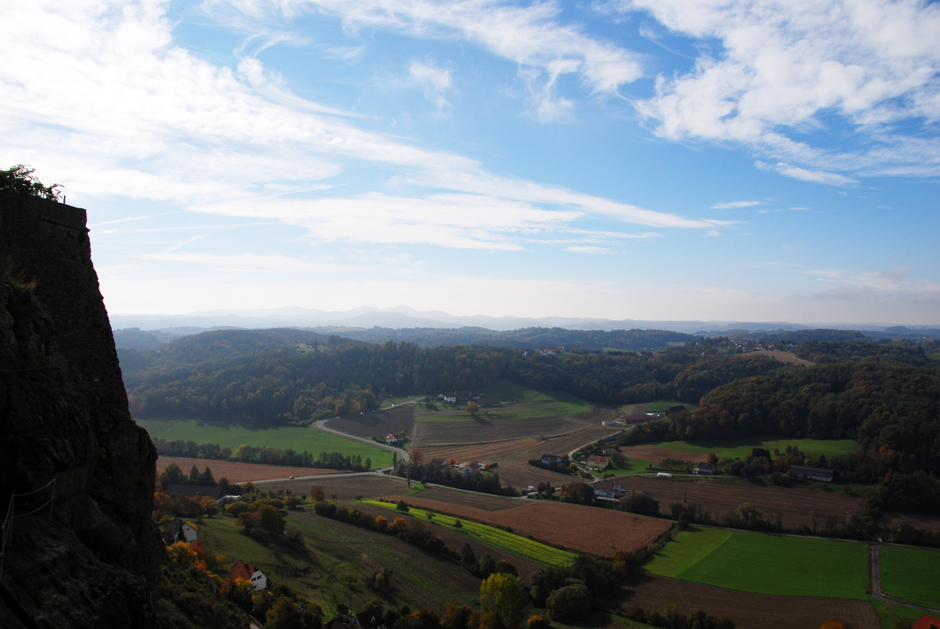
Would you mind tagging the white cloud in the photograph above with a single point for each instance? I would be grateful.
(803, 174)
(531, 36)
(785, 65)
(103, 100)
(734, 205)
(596, 250)
(436, 82)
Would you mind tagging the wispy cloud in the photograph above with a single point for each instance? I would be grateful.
(870, 63)
(435, 81)
(734, 205)
(803, 174)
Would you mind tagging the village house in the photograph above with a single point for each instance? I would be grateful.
(551, 459)
(450, 399)
(248, 573)
(179, 531)
(705, 468)
(599, 461)
(196, 491)
(391, 439)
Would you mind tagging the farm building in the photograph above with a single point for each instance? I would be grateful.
(812, 473)
(599, 461)
(391, 439)
(248, 573)
(489, 401)
(927, 622)
(196, 491)
(705, 468)
(179, 531)
(551, 459)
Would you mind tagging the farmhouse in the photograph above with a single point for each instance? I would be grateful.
(179, 531)
(927, 622)
(812, 473)
(248, 573)
(391, 439)
(599, 461)
(196, 491)
(438, 463)
(705, 468)
(450, 399)
(489, 401)
(551, 459)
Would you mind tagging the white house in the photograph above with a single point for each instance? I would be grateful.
(248, 573)
(171, 534)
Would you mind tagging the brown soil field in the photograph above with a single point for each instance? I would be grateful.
(345, 487)
(486, 502)
(797, 507)
(482, 430)
(236, 472)
(785, 357)
(377, 424)
(522, 476)
(485, 452)
(747, 610)
(599, 532)
(655, 455)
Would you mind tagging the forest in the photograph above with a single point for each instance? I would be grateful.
(264, 378)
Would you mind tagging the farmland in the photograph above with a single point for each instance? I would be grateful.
(797, 506)
(508, 542)
(911, 575)
(340, 556)
(749, 610)
(232, 435)
(766, 564)
(377, 424)
(237, 472)
(526, 404)
(562, 525)
(740, 448)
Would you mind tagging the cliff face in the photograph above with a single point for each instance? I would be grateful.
(64, 416)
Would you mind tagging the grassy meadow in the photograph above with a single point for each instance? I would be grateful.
(529, 403)
(232, 435)
(521, 547)
(765, 564)
(338, 561)
(740, 448)
(911, 575)
(659, 407)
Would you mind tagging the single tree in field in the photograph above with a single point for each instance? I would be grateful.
(359, 498)
(473, 408)
(316, 494)
(417, 456)
(402, 506)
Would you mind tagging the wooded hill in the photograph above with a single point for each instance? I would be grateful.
(265, 378)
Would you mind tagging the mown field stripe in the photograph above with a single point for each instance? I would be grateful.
(516, 545)
(768, 564)
(686, 550)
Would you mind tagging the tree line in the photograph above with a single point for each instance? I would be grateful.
(264, 455)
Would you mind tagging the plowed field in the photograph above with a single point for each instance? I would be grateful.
(236, 472)
(486, 452)
(377, 424)
(798, 507)
(482, 430)
(747, 610)
(599, 532)
(346, 488)
(655, 455)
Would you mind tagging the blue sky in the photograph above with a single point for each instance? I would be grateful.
(715, 160)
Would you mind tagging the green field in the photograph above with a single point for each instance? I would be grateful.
(740, 448)
(888, 614)
(393, 401)
(629, 466)
(231, 435)
(911, 575)
(521, 547)
(766, 564)
(541, 404)
(338, 560)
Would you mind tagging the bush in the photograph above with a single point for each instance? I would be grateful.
(569, 603)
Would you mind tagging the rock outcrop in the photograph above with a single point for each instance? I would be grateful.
(64, 416)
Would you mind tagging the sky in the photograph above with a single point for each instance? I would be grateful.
(623, 159)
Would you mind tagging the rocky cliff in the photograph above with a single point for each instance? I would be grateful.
(64, 417)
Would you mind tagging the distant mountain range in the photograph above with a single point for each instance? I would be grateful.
(402, 317)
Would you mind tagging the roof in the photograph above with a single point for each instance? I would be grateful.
(368, 620)
(811, 471)
(927, 622)
(241, 571)
(489, 401)
(598, 459)
(196, 491)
